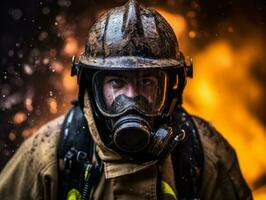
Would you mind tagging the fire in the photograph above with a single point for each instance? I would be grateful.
(223, 92)
(71, 46)
(178, 22)
(70, 83)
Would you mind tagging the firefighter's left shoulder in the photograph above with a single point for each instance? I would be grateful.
(221, 176)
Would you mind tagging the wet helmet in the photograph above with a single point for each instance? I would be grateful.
(135, 73)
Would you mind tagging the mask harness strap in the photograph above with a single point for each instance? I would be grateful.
(80, 167)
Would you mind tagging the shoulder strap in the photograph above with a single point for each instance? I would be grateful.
(75, 133)
(188, 159)
(75, 153)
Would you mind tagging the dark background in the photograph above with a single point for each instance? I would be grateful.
(34, 32)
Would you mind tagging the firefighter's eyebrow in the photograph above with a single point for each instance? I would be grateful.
(145, 74)
(115, 75)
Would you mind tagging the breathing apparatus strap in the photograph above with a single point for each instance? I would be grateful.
(187, 158)
(79, 166)
(187, 155)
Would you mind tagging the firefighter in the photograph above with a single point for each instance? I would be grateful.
(127, 136)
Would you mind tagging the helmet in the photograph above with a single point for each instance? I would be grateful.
(137, 45)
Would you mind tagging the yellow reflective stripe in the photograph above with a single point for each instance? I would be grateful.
(91, 193)
(166, 189)
(87, 171)
(73, 194)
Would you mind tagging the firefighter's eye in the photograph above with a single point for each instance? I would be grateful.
(146, 81)
(117, 83)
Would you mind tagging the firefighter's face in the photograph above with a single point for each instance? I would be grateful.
(118, 91)
(130, 85)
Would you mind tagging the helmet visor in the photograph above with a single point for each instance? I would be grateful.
(119, 91)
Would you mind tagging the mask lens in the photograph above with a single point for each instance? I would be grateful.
(116, 92)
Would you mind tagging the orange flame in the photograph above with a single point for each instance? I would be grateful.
(178, 22)
(222, 91)
(71, 46)
(70, 83)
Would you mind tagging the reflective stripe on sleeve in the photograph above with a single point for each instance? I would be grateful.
(166, 189)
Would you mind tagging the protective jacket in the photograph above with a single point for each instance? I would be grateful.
(32, 173)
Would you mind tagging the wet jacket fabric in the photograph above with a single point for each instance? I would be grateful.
(32, 173)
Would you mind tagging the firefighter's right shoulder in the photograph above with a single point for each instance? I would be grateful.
(32, 172)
